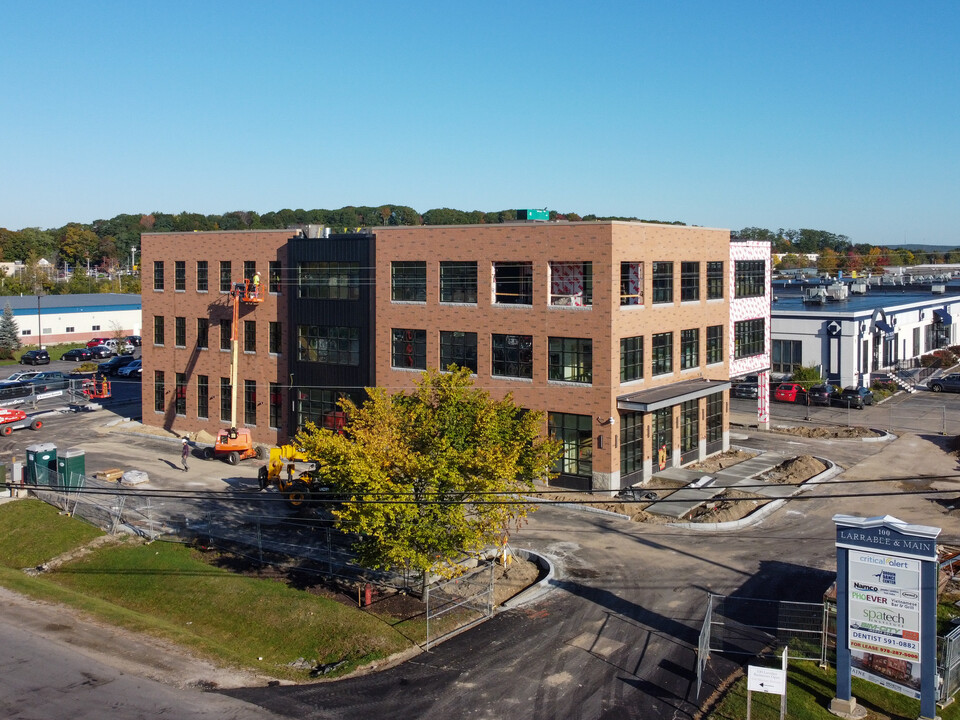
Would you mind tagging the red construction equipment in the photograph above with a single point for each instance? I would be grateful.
(97, 388)
(11, 419)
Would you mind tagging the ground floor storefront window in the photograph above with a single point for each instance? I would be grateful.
(575, 435)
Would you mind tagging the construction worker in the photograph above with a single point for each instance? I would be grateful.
(256, 283)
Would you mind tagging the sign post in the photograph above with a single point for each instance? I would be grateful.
(886, 609)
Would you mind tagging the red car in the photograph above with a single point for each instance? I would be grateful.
(790, 392)
(96, 341)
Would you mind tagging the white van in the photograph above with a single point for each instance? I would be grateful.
(120, 347)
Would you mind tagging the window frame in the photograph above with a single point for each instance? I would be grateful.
(715, 280)
(226, 332)
(274, 270)
(575, 433)
(249, 336)
(226, 276)
(689, 348)
(570, 359)
(158, 277)
(329, 344)
(459, 278)
(585, 296)
(275, 337)
(328, 280)
(749, 278)
(749, 337)
(159, 391)
(690, 281)
(512, 288)
(408, 281)
(159, 330)
(662, 276)
(714, 344)
(250, 402)
(179, 331)
(511, 356)
(180, 394)
(203, 333)
(631, 358)
(203, 397)
(180, 275)
(226, 397)
(408, 348)
(458, 347)
(203, 276)
(661, 353)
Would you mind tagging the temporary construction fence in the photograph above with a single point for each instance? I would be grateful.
(466, 600)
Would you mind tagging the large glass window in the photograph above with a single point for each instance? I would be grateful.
(249, 336)
(689, 348)
(748, 336)
(180, 275)
(714, 419)
(458, 348)
(513, 356)
(226, 405)
(570, 359)
(319, 407)
(158, 274)
(329, 344)
(180, 331)
(749, 276)
(689, 281)
(662, 354)
(203, 396)
(786, 355)
(631, 283)
(276, 338)
(408, 281)
(180, 399)
(715, 280)
(631, 443)
(571, 284)
(458, 282)
(203, 333)
(714, 344)
(689, 430)
(273, 276)
(631, 358)
(225, 328)
(250, 402)
(328, 280)
(575, 435)
(662, 441)
(226, 275)
(513, 283)
(159, 330)
(276, 405)
(409, 348)
(249, 270)
(159, 390)
(202, 277)
(663, 282)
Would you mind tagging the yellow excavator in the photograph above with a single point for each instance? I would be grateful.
(289, 469)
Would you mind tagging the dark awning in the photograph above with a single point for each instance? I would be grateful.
(942, 316)
(883, 325)
(667, 395)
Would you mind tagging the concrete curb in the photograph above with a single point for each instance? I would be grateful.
(538, 589)
(883, 438)
(771, 507)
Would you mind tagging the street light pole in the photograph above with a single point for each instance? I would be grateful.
(39, 326)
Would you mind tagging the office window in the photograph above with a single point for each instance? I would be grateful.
(158, 274)
(786, 355)
(249, 270)
(249, 336)
(408, 281)
(225, 327)
(203, 396)
(158, 330)
(662, 354)
(276, 338)
(179, 275)
(203, 333)
(276, 406)
(714, 344)
(689, 348)
(202, 278)
(409, 348)
(631, 283)
(180, 399)
(458, 348)
(250, 402)
(158, 391)
(631, 443)
(226, 408)
(458, 282)
(273, 277)
(512, 356)
(180, 331)
(320, 407)
(226, 275)
(328, 280)
(749, 277)
(748, 337)
(570, 359)
(571, 284)
(513, 283)
(689, 281)
(662, 441)
(689, 430)
(714, 419)
(631, 358)
(663, 282)
(328, 344)
(26, 332)
(70, 329)
(94, 328)
(715, 280)
(575, 433)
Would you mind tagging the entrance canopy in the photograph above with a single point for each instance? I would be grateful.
(942, 316)
(667, 395)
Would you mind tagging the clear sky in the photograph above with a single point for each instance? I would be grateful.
(839, 116)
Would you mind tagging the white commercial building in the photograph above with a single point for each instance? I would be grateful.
(51, 319)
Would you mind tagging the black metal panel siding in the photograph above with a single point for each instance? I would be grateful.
(350, 247)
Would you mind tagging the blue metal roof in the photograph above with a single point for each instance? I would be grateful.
(88, 302)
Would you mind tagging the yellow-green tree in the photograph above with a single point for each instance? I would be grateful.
(431, 476)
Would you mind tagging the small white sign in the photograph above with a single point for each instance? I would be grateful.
(768, 680)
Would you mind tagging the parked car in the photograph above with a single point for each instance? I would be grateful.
(97, 341)
(134, 340)
(115, 364)
(790, 392)
(22, 376)
(855, 397)
(52, 380)
(101, 351)
(77, 355)
(745, 387)
(131, 370)
(823, 394)
(35, 357)
(947, 383)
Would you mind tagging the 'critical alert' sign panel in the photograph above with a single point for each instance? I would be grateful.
(884, 602)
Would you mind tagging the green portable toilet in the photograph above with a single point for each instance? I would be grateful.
(41, 464)
(71, 467)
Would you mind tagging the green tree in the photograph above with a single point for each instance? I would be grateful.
(828, 262)
(433, 475)
(9, 333)
(806, 376)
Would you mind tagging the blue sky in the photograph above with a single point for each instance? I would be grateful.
(839, 116)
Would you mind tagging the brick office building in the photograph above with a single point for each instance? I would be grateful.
(621, 332)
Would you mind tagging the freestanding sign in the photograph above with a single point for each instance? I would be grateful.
(886, 608)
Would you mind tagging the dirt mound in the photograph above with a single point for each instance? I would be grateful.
(723, 460)
(829, 432)
(795, 471)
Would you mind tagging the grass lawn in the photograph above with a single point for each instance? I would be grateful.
(809, 691)
(168, 590)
